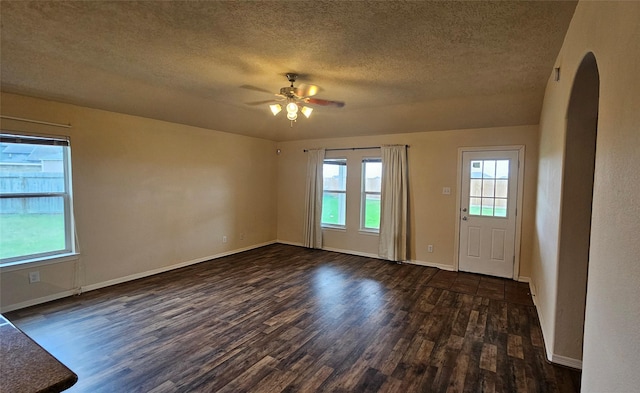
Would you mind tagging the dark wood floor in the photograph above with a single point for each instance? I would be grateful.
(284, 318)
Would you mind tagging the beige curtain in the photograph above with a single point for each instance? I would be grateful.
(312, 234)
(394, 202)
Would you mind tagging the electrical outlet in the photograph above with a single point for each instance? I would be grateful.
(241, 235)
(430, 248)
(224, 239)
(34, 277)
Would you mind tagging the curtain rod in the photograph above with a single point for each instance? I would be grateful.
(35, 121)
(353, 148)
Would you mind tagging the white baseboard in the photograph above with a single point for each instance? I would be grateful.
(565, 361)
(534, 292)
(332, 249)
(553, 358)
(39, 300)
(131, 277)
(351, 252)
(369, 255)
(289, 243)
(432, 264)
(545, 339)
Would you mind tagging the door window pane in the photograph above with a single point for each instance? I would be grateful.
(489, 171)
(475, 206)
(476, 169)
(500, 207)
(487, 206)
(476, 188)
(502, 169)
(502, 188)
(489, 188)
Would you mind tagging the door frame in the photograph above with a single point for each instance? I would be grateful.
(521, 151)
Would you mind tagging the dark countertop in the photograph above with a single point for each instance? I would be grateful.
(26, 367)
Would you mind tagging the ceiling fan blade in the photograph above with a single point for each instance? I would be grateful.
(249, 87)
(319, 101)
(306, 90)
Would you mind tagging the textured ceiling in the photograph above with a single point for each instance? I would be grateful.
(400, 67)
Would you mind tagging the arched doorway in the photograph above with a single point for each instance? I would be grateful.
(575, 216)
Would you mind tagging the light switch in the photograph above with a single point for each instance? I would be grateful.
(446, 190)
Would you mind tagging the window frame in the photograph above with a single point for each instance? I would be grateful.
(494, 187)
(364, 193)
(69, 248)
(341, 161)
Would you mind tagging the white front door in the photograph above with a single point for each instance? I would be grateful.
(488, 204)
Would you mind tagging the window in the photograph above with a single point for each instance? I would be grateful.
(489, 188)
(35, 198)
(334, 192)
(370, 204)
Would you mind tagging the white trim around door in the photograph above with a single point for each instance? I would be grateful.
(520, 150)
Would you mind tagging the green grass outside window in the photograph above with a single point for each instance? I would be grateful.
(27, 234)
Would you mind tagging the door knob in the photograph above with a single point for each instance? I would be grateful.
(464, 218)
(464, 209)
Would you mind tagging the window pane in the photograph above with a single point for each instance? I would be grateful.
(27, 168)
(476, 188)
(501, 208)
(333, 208)
(334, 204)
(488, 188)
(487, 206)
(31, 226)
(372, 211)
(474, 206)
(372, 173)
(476, 169)
(502, 169)
(502, 188)
(334, 176)
(489, 171)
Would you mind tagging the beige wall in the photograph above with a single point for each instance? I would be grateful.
(433, 161)
(611, 350)
(575, 216)
(148, 195)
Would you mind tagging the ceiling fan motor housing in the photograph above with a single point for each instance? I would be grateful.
(287, 91)
(291, 77)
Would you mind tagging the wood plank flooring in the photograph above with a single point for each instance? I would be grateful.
(288, 319)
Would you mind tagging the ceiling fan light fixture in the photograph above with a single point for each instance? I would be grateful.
(292, 116)
(306, 111)
(275, 108)
(292, 107)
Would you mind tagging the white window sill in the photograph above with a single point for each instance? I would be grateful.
(336, 228)
(37, 262)
(370, 232)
